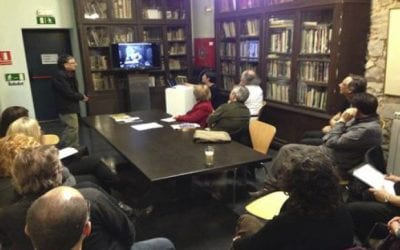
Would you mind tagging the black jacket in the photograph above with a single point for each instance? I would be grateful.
(66, 93)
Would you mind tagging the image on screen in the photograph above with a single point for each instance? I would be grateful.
(135, 55)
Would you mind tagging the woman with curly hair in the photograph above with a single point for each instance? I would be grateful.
(312, 218)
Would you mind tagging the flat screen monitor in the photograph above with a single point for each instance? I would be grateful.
(135, 55)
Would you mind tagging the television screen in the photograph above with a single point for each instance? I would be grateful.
(135, 55)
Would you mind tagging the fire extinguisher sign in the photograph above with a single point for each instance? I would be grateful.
(5, 58)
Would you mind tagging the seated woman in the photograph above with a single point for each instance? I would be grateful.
(201, 110)
(366, 213)
(10, 146)
(313, 216)
(9, 115)
(83, 168)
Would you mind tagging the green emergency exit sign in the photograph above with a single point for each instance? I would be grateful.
(15, 77)
(46, 20)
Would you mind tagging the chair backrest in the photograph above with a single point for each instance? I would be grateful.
(261, 135)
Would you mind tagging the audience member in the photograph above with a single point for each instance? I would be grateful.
(255, 101)
(82, 167)
(366, 213)
(59, 219)
(312, 218)
(232, 117)
(356, 131)
(351, 85)
(208, 78)
(38, 170)
(201, 110)
(9, 115)
(67, 98)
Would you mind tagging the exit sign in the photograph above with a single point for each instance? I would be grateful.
(15, 77)
(46, 20)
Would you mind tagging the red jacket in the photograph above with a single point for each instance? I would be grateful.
(198, 114)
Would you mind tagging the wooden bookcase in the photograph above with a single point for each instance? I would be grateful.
(105, 22)
(301, 49)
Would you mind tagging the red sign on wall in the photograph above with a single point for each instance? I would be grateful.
(5, 58)
(204, 52)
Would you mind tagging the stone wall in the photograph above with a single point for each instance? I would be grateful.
(376, 62)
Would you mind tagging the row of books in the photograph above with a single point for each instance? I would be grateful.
(246, 65)
(312, 97)
(279, 68)
(122, 9)
(175, 34)
(152, 13)
(98, 62)
(250, 27)
(102, 82)
(177, 49)
(95, 9)
(228, 68)
(227, 5)
(314, 71)
(98, 37)
(281, 41)
(152, 35)
(228, 82)
(124, 36)
(175, 14)
(278, 92)
(229, 29)
(176, 64)
(249, 48)
(249, 4)
(279, 23)
(316, 38)
(227, 49)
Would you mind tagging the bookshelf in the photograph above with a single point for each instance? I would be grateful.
(102, 23)
(301, 49)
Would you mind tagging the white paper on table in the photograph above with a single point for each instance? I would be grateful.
(131, 119)
(169, 119)
(374, 178)
(146, 126)
(65, 152)
(185, 125)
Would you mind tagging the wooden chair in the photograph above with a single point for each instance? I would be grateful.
(261, 136)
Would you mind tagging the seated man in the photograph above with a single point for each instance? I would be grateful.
(351, 85)
(208, 78)
(356, 131)
(38, 170)
(232, 117)
(255, 101)
(59, 219)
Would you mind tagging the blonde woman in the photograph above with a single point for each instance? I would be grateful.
(86, 168)
(201, 110)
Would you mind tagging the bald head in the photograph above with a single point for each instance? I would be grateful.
(57, 219)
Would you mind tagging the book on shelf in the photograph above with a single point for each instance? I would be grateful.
(248, 4)
(227, 49)
(98, 62)
(152, 13)
(229, 29)
(122, 9)
(176, 34)
(280, 23)
(316, 38)
(98, 37)
(281, 41)
(278, 92)
(249, 48)
(95, 10)
(228, 68)
(227, 5)
(177, 49)
(311, 96)
(279, 68)
(175, 64)
(228, 82)
(152, 35)
(123, 36)
(251, 27)
(314, 71)
(275, 2)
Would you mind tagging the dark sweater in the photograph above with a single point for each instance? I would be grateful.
(289, 231)
(67, 97)
(230, 117)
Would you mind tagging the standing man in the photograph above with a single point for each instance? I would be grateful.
(67, 97)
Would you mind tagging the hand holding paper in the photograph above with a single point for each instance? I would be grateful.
(374, 178)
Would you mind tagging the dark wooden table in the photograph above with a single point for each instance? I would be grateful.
(164, 153)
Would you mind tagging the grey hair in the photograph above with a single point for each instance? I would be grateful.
(241, 93)
(249, 77)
